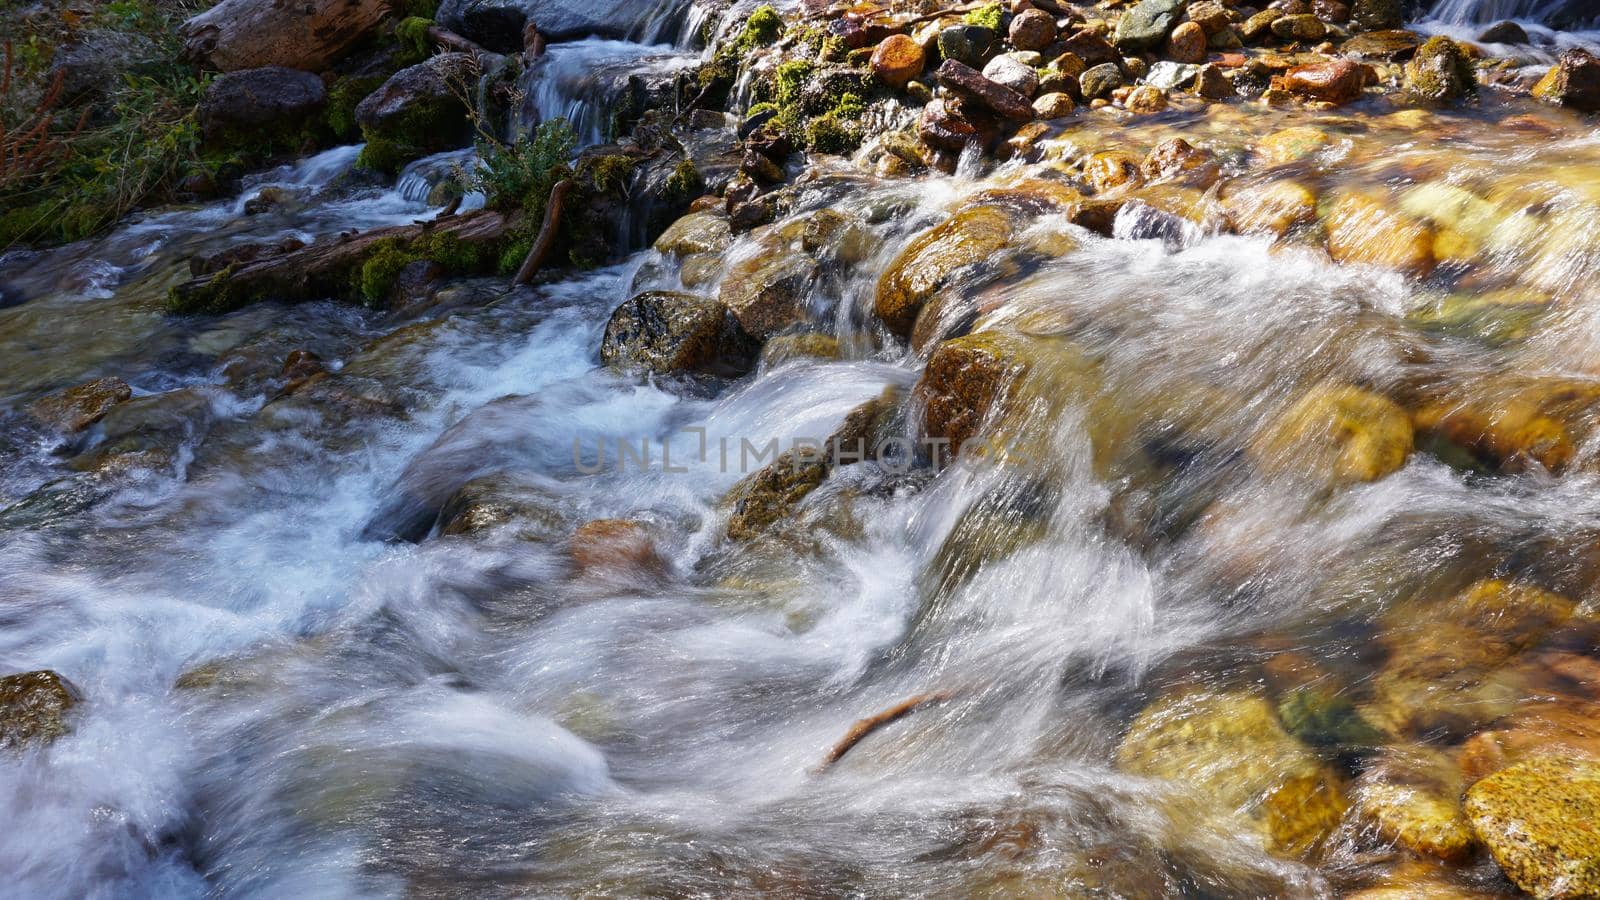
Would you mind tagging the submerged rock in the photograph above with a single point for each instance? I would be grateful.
(767, 292)
(1337, 432)
(1362, 228)
(964, 380)
(34, 707)
(418, 111)
(1412, 797)
(76, 408)
(1537, 819)
(1229, 749)
(617, 546)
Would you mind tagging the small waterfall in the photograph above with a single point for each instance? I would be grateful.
(1557, 14)
(585, 81)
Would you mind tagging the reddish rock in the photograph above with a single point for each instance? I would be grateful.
(1187, 44)
(1337, 81)
(967, 82)
(898, 60)
(943, 129)
(1091, 48)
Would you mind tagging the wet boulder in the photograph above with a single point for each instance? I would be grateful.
(771, 494)
(310, 35)
(490, 502)
(498, 24)
(260, 101)
(1537, 820)
(419, 110)
(668, 333)
(936, 259)
(76, 408)
(1336, 432)
(701, 232)
(1387, 46)
(1573, 82)
(1272, 207)
(34, 707)
(1504, 32)
(964, 381)
(1147, 24)
(1440, 71)
(799, 345)
(768, 292)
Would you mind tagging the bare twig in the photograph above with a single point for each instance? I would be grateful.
(860, 730)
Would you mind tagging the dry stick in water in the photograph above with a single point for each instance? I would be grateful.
(860, 730)
(547, 232)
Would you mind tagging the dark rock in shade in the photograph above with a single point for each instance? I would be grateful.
(256, 100)
(1574, 82)
(667, 333)
(1146, 25)
(94, 64)
(962, 79)
(1377, 15)
(968, 44)
(1391, 46)
(1504, 33)
(942, 129)
(33, 708)
(498, 24)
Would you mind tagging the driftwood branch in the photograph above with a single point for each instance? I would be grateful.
(860, 730)
(319, 270)
(547, 232)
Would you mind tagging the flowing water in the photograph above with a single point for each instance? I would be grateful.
(280, 702)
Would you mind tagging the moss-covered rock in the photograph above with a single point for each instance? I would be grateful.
(1537, 819)
(1440, 71)
(800, 345)
(936, 259)
(417, 111)
(34, 707)
(771, 494)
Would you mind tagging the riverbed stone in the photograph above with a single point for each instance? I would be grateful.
(1032, 29)
(34, 707)
(1388, 46)
(1053, 106)
(965, 379)
(1363, 229)
(80, 406)
(1537, 819)
(1186, 44)
(1007, 71)
(669, 332)
(1098, 82)
(762, 499)
(937, 257)
(971, 85)
(767, 293)
(701, 232)
(970, 45)
(1272, 207)
(1377, 15)
(1303, 28)
(617, 547)
(898, 60)
(1573, 82)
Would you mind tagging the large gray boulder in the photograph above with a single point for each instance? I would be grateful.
(498, 24)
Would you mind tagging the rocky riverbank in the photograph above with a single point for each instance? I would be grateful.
(1199, 396)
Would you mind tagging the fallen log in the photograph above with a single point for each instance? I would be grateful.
(323, 269)
(547, 232)
(861, 729)
(309, 35)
